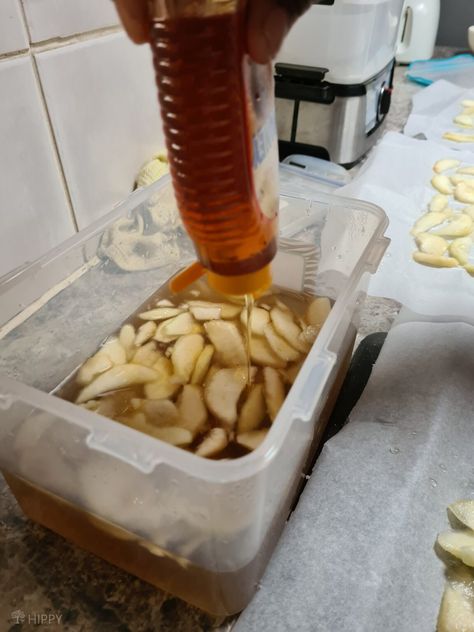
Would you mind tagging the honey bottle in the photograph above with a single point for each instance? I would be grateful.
(218, 117)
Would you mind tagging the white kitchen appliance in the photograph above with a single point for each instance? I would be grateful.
(418, 30)
(333, 78)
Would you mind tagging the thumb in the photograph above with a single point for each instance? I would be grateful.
(268, 22)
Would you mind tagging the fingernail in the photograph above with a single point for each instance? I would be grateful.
(275, 28)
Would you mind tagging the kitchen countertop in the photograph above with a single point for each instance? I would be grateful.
(48, 584)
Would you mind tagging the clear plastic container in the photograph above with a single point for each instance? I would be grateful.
(201, 529)
(307, 176)
(353, 39)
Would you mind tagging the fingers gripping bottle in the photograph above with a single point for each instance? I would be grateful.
(219, 121)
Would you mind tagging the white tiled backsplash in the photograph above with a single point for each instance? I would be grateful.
(47, 19)
(78, 117)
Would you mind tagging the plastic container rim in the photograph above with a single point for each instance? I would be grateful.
(204, 469)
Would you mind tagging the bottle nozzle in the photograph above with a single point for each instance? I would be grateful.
(254, 283)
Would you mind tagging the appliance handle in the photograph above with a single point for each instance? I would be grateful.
(407, 30)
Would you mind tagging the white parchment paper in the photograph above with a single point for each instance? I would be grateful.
(434, 109)
(357, 554)
(397, 177)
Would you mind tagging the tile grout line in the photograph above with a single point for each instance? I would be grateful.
(61, 42)
(22, 52)
(57, 155)
(46, 45)
(55, 43)
(25, 20)
(55, 144)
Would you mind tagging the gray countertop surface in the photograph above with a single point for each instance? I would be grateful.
(42, 575)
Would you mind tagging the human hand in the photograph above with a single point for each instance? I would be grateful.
(268, 22)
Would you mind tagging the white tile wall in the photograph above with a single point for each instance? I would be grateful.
(33, 206)
(102, 101)
(13, 35)
(59, 18)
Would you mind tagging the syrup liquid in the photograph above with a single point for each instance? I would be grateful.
(219, 593)
(249, 304)
(199, 64)
(118, 405)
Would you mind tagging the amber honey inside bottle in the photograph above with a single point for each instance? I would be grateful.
(218, 118)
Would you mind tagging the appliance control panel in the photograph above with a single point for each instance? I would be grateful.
(379, 93)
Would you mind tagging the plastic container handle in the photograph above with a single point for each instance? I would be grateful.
(314, 385)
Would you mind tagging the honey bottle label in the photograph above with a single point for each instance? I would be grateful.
(264, 139)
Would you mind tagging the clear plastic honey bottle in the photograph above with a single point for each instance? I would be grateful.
(219, 122)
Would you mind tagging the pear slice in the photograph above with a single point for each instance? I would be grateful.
(468, 171)
(432, 244)
(460, 544)
(160, 412)
(185, 354)
(214, 442)
(467, 103)
(430, 220)
(274, 391)
(127, 339)
(202, 365)
(206, 312)
(456, 612)
(434, 261)
(92, 404)
(228, 342)
(136, 403)
(279, 346)
(161, 389)
(459, 179)
(163, 386)
(439, 203)
(161, 313)
(442, 184)
(445, 164)
(459, 225)
(459, 138)
(286, 327)
(222, 394)
(318, 311)
(93, 367)
(464, 193)
(262, 354)
(169, 434)
(173, 435)
(251, 440)
(469, 210)
(146, 354)
(115, 378)
(464, 120)
(180, 326)
(192, 410)
(145, 333)
(253, 411)
(258, 320)
(114, 350)
(460, 249)
(463, 511)
(229, 311)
